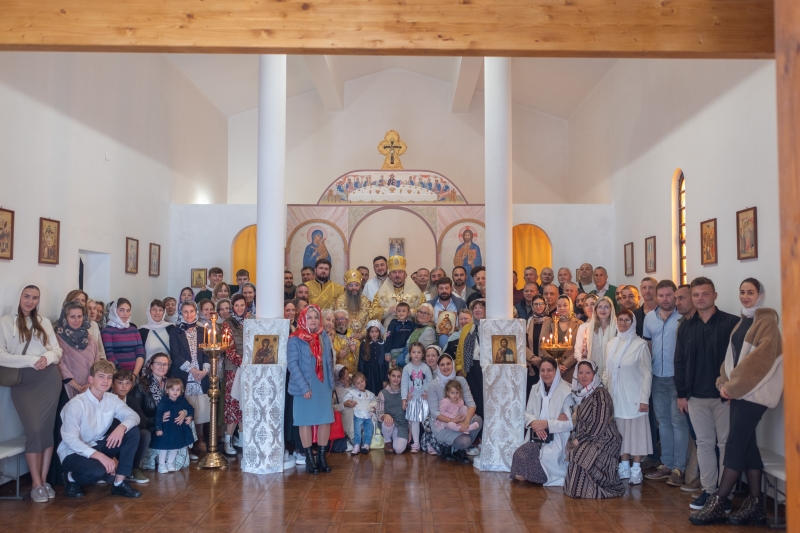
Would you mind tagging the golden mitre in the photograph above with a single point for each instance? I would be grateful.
(397, 262)
(352, 276)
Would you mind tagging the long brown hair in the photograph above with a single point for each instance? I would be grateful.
(22, 324)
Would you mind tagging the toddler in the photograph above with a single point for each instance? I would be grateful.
(452, 406)
(416, 376)
(176, 433)
(362, 419)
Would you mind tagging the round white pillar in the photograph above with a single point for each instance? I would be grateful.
(271, 206)
(498, 257)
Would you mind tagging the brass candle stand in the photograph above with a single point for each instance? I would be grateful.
(214, 349)
(555, 348)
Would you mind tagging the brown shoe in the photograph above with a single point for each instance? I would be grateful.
(388, 448)
(694, 486)
(676, 478)
(659, 474)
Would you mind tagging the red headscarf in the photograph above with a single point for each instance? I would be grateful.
(312, 339)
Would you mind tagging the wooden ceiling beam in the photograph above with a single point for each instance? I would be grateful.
(564, 28)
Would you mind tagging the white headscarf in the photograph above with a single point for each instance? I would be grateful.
(152, 324)
(605, 336)
(579, 392)
(547, 395)
(375, 324)
(616, 348)
(750, 312)
(114, 320)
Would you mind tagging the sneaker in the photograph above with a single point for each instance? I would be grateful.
(171, 467)
(236, 442)
(713, 512)
(476, 462)
(473, 451)
(137, 477)
(162, 469)
(39, 495)
(123, 489)
(752, 511)
(365, 449)
(635, 476)
(101, 482)
(349, 447)
(660, 474)
(700, 502)
(676, 478)
(694, 486)
(649, 463)
(299, 458)
(50, 492)
(288, 460)
(624, 470)
(193, 457)
(356, 449)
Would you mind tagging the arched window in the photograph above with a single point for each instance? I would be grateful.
(682, 228)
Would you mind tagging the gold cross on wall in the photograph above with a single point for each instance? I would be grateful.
(392, 147)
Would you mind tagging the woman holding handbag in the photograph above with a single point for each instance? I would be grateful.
(29, 355)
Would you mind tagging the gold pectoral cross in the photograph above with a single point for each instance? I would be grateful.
(392, 147)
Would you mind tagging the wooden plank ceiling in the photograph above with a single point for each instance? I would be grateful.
(565, 28)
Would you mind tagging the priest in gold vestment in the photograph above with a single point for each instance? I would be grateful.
(356, 304)
(321, 290)
(345, 347)
(395, 290)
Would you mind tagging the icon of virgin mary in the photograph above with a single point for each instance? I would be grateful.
(316, 250)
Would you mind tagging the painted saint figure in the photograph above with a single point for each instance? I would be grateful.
(504, 353)
(316, 250)
(265, 355)
(468, 255)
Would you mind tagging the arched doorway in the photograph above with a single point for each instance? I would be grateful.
(243, 252)
(531, 247)
(371, 235)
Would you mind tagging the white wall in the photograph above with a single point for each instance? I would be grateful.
(102, 143)
(323, 145)
(716, 120)
(578, 233)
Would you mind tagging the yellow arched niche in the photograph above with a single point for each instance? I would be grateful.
(244, 252)
(531, 247)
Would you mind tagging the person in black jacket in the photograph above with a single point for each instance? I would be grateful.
(524, 310)
(699, 353)
(121, 386)
(190, 364)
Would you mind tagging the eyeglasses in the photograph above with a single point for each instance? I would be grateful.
(425, 313)
(624, 321)
(538, 304)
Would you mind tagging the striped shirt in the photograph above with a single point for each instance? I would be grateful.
(123, 346)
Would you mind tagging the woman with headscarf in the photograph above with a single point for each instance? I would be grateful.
(452, 445)
(100, 315)
(78, 348)
(234, 324)
(548, 417)
(94, 327)
(187, 293)
(582, 337)
(628, 377)
(534, 330)
(751, 378)
(171, 313)
(311, 384)
(223, 310)
(593, 447)
(155, 335)
(29, 353)
(563, 332)
(190, 364)
(121, 338)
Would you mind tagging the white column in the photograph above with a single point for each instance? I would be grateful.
(271, 218)
(497, 86)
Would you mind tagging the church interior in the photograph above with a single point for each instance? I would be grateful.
(620, 160)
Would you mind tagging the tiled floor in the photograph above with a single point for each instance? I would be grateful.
(375, 493)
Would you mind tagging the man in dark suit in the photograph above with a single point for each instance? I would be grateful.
(524, 308)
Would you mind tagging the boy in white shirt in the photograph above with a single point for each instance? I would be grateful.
(363, 410)
(91, 439)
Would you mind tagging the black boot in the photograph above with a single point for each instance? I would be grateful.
(713, 512)
(461, 457)
(322, 462)
(752, 511)
(311, 464)
(445, 452)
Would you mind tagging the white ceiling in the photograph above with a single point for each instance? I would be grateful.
(552, 85)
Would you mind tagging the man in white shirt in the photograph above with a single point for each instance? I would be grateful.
(91, 438)
(380, 265)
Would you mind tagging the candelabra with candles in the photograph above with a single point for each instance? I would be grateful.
(214, 347)
(552, 345)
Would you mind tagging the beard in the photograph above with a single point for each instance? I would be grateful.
(341, 330)
(323, 279)
(353, 301)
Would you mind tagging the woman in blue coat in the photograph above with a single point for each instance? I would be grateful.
(311, 383)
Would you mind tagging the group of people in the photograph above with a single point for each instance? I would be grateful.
(654, 372)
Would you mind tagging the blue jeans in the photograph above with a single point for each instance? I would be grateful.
(672, 427)
(366, 425)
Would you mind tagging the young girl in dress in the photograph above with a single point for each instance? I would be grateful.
(172, 435)
(416, 376)
(452, 406)
(363, 411)
(372, 361)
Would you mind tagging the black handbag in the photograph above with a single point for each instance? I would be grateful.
(546, 440)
